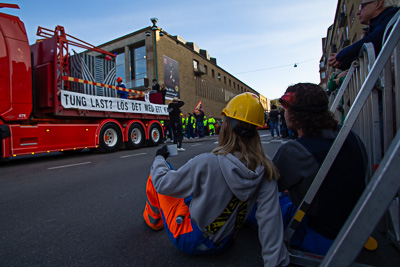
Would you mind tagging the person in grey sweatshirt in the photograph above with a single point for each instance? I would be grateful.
(204, 203)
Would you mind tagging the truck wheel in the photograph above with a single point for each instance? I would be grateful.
(155, 135)
(110, 138)
(135, 136)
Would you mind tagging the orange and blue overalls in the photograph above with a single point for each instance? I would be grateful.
(163, 211)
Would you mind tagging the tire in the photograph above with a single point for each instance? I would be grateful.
(110, 138)
(155, 135)
(136, 136)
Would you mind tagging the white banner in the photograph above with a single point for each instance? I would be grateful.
(91, 102)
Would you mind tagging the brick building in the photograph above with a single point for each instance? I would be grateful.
(187, 71)
(345, 30)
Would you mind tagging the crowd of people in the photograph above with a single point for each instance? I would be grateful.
(277, 123)
(196, 125)
(155, 88)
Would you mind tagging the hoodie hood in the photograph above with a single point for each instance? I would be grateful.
(242, 181)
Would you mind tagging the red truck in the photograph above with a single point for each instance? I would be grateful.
(41, 109)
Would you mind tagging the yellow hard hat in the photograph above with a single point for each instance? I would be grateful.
(245, 107)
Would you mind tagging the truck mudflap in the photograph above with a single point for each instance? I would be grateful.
(4, 132)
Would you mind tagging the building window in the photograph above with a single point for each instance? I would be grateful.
(195, 64)
(219, 76)
(213, 73)
(224, 80)
(322, 64)
(205, 69)
(234, 85)
(352, 16)
(230, 84)
(139, 59)
(323, 75)
(120, 65)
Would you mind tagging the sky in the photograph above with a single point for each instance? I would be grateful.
(257, 41)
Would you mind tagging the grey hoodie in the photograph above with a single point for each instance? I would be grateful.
(213, 180)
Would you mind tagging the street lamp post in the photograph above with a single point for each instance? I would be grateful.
(154, 28)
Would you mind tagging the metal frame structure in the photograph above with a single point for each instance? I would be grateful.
(371, 98)
(63, 52)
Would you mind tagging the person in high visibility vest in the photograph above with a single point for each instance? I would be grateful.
(183, 123)
(194, 127)
(205, 121)
(211, 128)
(198, 218)
(189, 126)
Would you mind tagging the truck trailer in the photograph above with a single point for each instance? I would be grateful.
(44, 109)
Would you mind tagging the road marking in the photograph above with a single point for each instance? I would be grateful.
(196, 145)
(264, 135)
(132, 155)
(66, 166)
(274, 141)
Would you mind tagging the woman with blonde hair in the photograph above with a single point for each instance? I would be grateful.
(204, 203)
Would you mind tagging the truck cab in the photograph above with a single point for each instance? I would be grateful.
(15, 69)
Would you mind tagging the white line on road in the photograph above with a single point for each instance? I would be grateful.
(132, 155)
(196, 145)
(274, 141)
(65, 166)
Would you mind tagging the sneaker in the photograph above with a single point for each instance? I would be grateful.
(181, 149)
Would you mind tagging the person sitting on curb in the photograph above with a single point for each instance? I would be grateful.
(200, 219)
(306, 110)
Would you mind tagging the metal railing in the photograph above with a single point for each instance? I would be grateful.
(369, 100)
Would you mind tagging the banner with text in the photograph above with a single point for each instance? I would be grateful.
(171, 77)
(91, 102)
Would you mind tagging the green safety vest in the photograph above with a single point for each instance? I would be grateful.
(187, 120)
(211, 122)
(183, 123)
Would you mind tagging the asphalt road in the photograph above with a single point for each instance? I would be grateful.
(86, 210)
